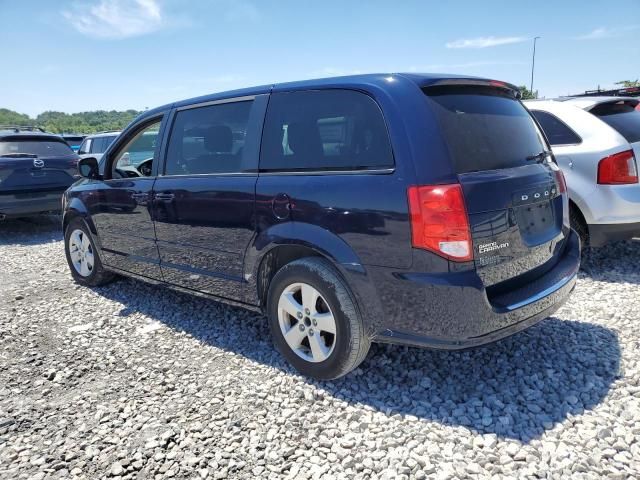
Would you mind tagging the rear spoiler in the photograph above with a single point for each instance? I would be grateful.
(46, 138)
(461, 82)
(632, 102)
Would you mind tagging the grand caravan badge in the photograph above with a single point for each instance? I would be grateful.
(491, 247)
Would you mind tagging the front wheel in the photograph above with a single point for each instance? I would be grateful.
(82, 256)
(314, 321)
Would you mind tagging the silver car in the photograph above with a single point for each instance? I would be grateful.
(96, 144)
(596, 141)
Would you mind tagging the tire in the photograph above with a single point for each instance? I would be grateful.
(334, 354)
(579, 225)
(82, 256)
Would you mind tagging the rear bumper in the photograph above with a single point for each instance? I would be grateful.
(23, 204)
(600, 234)
(456, 313)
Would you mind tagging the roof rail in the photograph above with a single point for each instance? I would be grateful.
(104, 131)
(26, 128)
(616, 92)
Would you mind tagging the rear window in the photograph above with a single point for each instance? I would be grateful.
(74, 141)
(621, 116)
(324, 130)
(43, 148)
(484, 128)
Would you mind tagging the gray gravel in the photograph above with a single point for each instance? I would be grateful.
(134, 381)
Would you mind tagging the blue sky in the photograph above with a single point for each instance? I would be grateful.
(117, 54)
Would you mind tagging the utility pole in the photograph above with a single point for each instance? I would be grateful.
(533, 61)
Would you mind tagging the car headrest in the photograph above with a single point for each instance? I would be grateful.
(218, 138)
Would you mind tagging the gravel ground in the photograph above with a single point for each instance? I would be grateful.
(134, 381)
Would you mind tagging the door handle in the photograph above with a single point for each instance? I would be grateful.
(164, 197)
(140, 198)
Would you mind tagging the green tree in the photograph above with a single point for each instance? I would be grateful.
(629, 83)
(83, 122)
(9, 117)
(527, 94)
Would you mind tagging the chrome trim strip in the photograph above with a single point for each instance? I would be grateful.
(246, 98)
(363, 171)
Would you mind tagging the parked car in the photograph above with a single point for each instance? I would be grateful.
(596, 141)
(405, 208)
(74, 141)
(35, 169)
(95, 145)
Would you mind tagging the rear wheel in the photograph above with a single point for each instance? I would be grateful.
(314, 321)
(82, 256)
(579, 225)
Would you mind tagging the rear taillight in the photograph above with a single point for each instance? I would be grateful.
(562, 189)
(562, 183)
(439, 221)
(618, 169)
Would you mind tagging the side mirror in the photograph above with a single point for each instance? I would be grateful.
(88, 168)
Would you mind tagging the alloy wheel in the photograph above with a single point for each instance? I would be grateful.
(81, 252)
(306, 322)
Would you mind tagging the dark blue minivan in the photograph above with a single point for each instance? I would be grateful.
(424, 210)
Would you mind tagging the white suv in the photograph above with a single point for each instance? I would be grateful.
(596, 142)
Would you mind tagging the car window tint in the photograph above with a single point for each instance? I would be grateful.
(208, 140)
(621, 116)
(324, 130)
(485, 128)
(96, 145)
(38, 147)
(556, 130)
(135, 158)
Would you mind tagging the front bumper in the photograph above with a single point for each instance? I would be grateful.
(600, 234)
(456, 313)
(30, 203)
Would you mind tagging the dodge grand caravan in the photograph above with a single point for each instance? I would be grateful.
(423, 210)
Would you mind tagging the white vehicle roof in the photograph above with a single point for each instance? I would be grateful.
(594, 133)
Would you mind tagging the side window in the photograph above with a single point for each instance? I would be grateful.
(208, 140)
(97, 145)
(85, 147)
(324, 130)
(136, 157)
(556, 130)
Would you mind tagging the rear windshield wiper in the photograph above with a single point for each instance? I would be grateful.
(540, 157)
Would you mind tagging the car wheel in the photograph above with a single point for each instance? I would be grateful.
(314, 320)
(580, 226)
(82, 256)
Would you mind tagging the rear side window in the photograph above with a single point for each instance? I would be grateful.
(208, 140)
(621, 116)
(555, 129)
(324, 130)
(484, 128)
(41, 148)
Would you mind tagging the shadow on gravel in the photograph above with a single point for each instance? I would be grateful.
(516, 388)
(31, 231)
(615, 262)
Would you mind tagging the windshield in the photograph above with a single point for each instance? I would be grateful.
(485, 128)
(42, 148)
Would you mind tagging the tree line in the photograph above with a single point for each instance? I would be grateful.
(60, 122)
